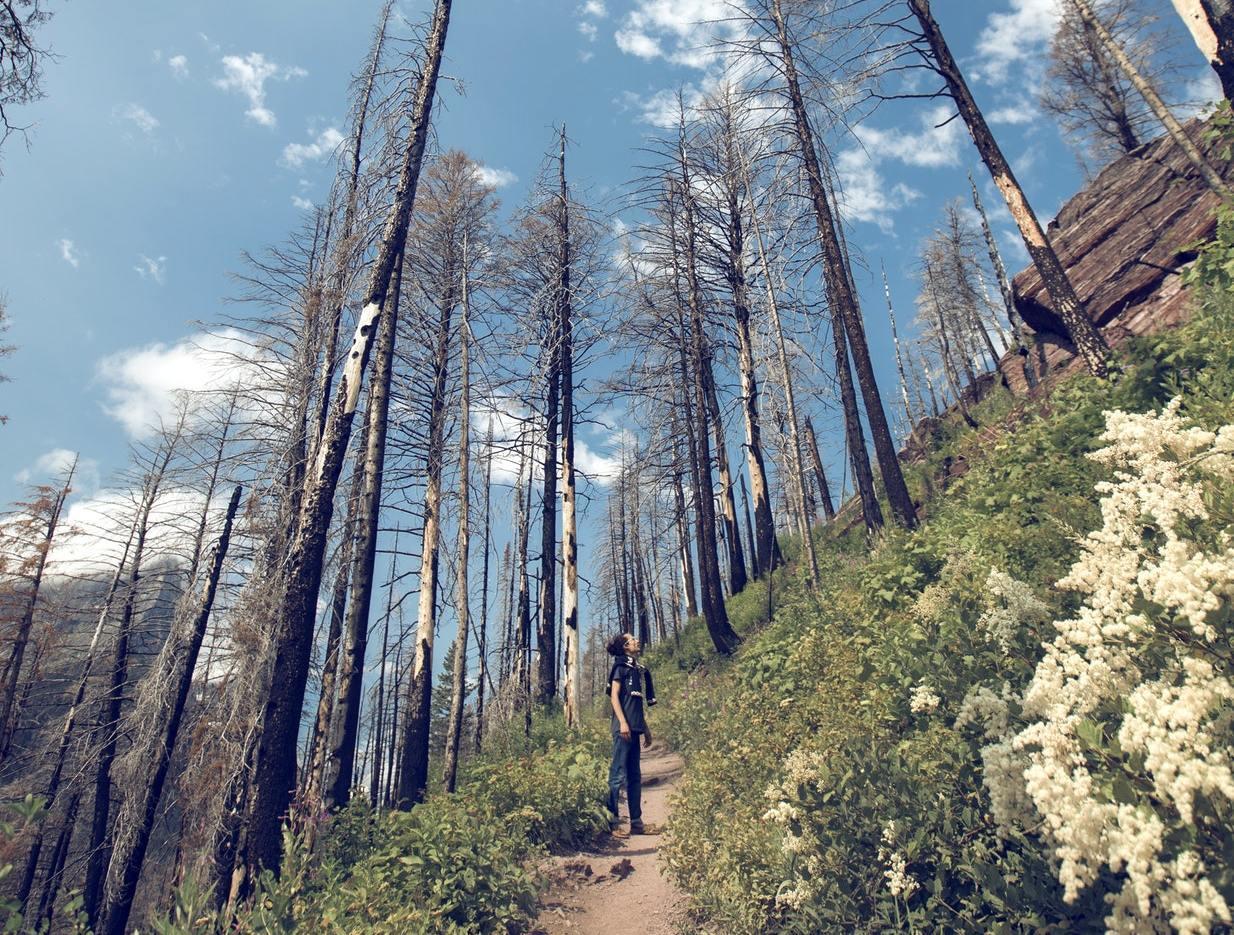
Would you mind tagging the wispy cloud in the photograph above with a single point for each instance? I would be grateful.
(148, 268)
(865, 195)
(145, 121)
(937, 143)
(302, 203)
(68, 252)
(179, 65)
(51, 467)
(1016, 37)
(326, 142)
(247, 75)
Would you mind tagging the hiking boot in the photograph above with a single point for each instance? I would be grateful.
(641, 828)
(619, 831)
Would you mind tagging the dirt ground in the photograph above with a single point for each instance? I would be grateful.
(616, 886)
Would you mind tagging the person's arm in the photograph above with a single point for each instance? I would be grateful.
(615, 698)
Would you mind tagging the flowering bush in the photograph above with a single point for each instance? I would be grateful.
(1127, 742)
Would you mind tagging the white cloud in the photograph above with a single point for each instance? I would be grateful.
(297, 154)
(68, 252)
(96, 527)
(248, 76)
(682, 31)
(144, 385)
(51, 467)
(495, 178)
(661, 108)
(179, 65)
(1016, 37)
(588, 29)
(595, 8)
(1016, 114)
(151, 269)
(145, 121)
(937, 144)
(586, 55)
(302, 203)
(865, 195)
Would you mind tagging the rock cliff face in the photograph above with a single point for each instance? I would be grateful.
(1124, 240)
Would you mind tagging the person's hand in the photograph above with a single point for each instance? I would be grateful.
(646, 738)
(625, 732)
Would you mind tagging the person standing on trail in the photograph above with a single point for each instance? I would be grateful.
(630, 692)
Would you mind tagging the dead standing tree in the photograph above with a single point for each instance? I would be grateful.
(456, 206)
(836, 273)
(275, 761)
(932, 48)
(53, 508)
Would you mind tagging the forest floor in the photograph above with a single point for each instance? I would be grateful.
(617, 885)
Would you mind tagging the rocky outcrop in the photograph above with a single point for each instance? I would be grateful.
(1124, 240)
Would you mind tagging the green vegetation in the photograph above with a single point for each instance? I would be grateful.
(454, 864)
(828, 788)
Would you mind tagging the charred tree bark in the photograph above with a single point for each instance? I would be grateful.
(692, 354)
(1088, 341)
(337, 294)
(895, 337)
(728, 504)
(168, 688)
(275, 765)
(345, 723)
(482, 634)
(683, 535)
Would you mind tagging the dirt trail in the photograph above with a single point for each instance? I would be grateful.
(615, 886)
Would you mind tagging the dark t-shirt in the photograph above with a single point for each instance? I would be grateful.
(630, 676)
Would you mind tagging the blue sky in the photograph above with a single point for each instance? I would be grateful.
(176, 135)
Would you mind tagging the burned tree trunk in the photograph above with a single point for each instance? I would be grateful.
(820, 478)
(345, 721)
(275, 765)
(1211, 23)
(107, 730)
(414, 777)
(1088, 341)
(482, 634)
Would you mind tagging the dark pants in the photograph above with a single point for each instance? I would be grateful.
(625, 767)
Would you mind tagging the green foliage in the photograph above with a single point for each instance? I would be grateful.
(461, 863)
(813, 715)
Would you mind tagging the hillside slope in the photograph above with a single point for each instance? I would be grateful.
(887, 753)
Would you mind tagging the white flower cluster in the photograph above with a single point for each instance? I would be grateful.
(1150, 594)
(900, 882)
(924, 700)
(1011, 606)
(1002, 765)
